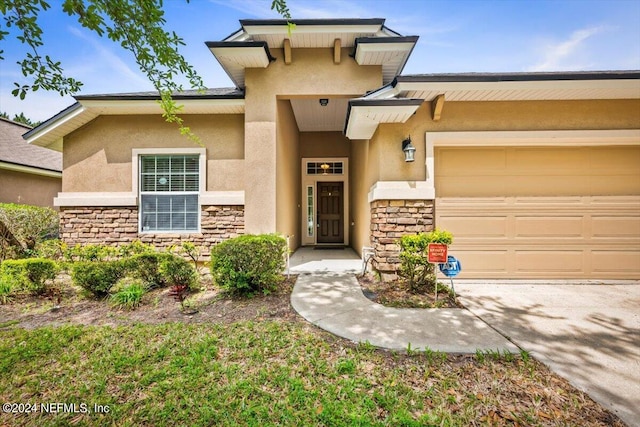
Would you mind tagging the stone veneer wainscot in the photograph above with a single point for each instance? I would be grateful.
(392, 219)
(119, 225)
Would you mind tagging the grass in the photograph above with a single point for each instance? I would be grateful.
(270, 373)
(130, 296)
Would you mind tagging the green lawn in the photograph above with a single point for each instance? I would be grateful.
(270, 373)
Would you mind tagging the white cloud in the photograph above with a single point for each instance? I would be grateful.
(107, 65)
(566, 55)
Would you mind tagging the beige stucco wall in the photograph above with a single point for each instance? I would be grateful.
(27, 188)
(361, 179)
(312, 72)
(288, 175)
(324, 144)
(495, 116)
(97, 157)
(537, 171)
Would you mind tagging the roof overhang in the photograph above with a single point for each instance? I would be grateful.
(372, 41)
(515, 87)
(364, 115)
(30, 170)
(236, 56)
(50, 133)
(391, 53)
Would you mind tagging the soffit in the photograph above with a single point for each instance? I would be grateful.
(519, 87)
(364, 116)
(391, 53)
(313, 117)
(235, 57)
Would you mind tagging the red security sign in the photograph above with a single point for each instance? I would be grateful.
(437, 253)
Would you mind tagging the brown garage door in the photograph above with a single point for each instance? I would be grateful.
(540, 212)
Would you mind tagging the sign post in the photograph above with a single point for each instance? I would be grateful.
(437, 254)
(451, 269)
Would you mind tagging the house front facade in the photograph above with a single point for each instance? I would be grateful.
(537, 175)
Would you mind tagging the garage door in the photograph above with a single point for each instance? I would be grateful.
(541, 212)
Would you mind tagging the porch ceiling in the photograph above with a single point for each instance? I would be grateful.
(313, 117)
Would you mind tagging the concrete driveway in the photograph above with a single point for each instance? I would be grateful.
(587, 333)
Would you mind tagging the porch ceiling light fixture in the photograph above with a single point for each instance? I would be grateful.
(409, 150)
(324, 101)
(325, 168)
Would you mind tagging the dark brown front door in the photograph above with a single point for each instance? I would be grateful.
(330, 212)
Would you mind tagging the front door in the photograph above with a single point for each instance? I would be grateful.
(330, 212)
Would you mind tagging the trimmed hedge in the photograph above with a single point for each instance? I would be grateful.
(97, 277)
(28, 274)
(249, 264)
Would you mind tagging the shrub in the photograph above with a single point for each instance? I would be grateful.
(23, 226)
(97, 277)
(129, 296)
(177, 271)
(414, 266)
(135, 248)
(29, 274)
(146, 267)
(51, 248)
(89, 252)
(249, 264)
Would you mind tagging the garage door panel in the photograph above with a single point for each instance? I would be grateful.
(560, 261)
(614, 184)
(482, 261)
(476, 227)
(619, 227)
(545, 227)
(615, 261)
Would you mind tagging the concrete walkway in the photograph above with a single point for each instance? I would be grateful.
(328, 295)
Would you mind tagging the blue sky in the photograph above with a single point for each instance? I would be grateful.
(455, 36)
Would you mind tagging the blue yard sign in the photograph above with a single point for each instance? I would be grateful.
(451, 268)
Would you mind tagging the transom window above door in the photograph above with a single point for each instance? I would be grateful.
(325, 168)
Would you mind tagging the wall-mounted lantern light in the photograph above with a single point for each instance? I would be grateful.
(324, 101)
(409, 150)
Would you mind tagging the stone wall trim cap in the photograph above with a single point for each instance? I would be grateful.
(96, 199)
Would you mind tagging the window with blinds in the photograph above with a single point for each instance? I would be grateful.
(169, 188)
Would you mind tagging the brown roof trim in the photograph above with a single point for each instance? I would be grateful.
(309, 22)
(231, 93)
(73, 107)
(243, 44)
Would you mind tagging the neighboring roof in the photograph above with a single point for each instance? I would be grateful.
(88, 107)
(17, 154)
(372, 42)
(547, 86)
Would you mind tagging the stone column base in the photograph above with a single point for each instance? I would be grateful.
(390, 220)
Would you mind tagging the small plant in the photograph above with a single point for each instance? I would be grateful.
(249, 264)
(129, 296)
(414, 266)
(177, 271)
(30, 274)
(97, 277)
(6, 290)
(146, 267)
(90, 252)
(135, 248)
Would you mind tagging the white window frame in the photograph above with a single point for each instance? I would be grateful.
(137, 154)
